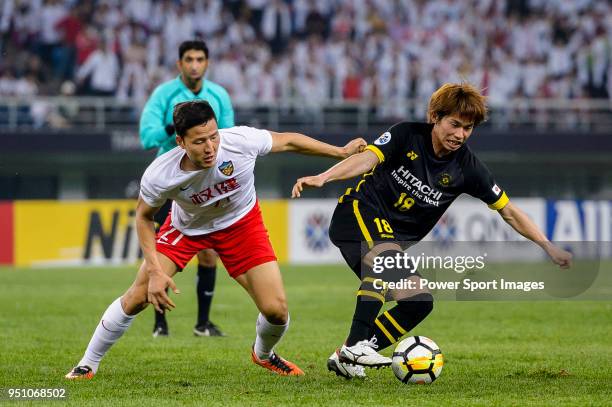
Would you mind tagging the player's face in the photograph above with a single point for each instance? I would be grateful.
(201, 144)
(193, 65)
(450, 133)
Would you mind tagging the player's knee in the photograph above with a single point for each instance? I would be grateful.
(379, 252)
(207, 258)
(134, 301)
(389, 266)
(276, 312)
(421, 304)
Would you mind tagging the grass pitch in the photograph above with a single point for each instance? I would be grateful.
(496, 353)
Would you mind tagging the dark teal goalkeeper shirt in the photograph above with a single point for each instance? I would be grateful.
(157, 112)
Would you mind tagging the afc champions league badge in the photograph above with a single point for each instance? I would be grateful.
(227, 168)
(383, 139)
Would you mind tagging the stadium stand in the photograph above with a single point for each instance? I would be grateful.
(314, 50)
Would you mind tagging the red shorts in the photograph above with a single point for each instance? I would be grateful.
(241, 246)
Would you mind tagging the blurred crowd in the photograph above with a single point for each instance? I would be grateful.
(311, 50)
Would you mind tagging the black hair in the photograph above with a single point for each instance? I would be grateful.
(190, 114)
(197, 45)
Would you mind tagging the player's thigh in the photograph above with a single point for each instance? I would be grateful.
(136, 296)
(355, 220)
(355, 231)
(264, 284)
(207, 258)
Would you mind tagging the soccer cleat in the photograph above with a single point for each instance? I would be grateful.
(160, 330)
(80, 373)
(342, 369)
(277, 364)
(363, 353)
(207, 329)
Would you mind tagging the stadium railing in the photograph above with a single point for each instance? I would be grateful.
(593, 115)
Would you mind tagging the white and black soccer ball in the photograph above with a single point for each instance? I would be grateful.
(417, 359)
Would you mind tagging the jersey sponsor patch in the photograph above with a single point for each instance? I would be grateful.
(496, 190)
(227, 168)
(444, 179)
(383, 139)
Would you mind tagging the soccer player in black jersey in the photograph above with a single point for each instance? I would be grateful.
(410, 175)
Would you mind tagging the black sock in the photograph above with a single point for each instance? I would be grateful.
(369, 302)
(205, 288)
(160, 317)
(391, 325)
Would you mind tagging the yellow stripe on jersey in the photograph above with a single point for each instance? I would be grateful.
(384, 330)
(394, 322)
(373, 294)
(362, 226)
(376, 150)
(341, 199)
(359, 185)
(500, 203)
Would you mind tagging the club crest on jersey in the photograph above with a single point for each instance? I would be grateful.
(412, 155)
(496, 190)
(227, 168)
(444, 179)
(383, 139)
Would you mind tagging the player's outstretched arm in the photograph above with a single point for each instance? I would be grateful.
(353, 166)
(302, 144)
(158, 280)
(520, 222)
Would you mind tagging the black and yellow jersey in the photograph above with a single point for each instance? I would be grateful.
(411, 188)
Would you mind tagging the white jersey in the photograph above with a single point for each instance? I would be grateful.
(210, 199)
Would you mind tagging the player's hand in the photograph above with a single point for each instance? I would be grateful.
(156, 292)
(315, 181)
(353, 147)
(560, 257)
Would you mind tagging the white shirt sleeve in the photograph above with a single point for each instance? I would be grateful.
(150, 192)
(257, 141)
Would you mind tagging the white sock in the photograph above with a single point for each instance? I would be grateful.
(113, 324)
(268, 335)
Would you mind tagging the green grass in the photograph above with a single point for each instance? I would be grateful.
(496, 353)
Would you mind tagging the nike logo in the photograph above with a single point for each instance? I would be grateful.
(357, 355)
(209, 293)
(186, 188)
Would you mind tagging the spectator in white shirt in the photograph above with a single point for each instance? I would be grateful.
(51, 13)
(102, 69)
(208, 17)
(276, 25)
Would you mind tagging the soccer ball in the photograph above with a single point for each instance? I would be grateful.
(417, 359)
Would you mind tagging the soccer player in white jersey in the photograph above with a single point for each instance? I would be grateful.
(209, 176)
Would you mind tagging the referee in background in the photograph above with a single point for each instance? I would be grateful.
(157, 131)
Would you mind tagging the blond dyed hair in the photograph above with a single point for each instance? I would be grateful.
(462, 100)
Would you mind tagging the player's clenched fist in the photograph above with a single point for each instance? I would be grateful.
(313, 181)
(560, 257)
(354, 146)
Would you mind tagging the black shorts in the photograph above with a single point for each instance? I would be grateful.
(355, 228)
